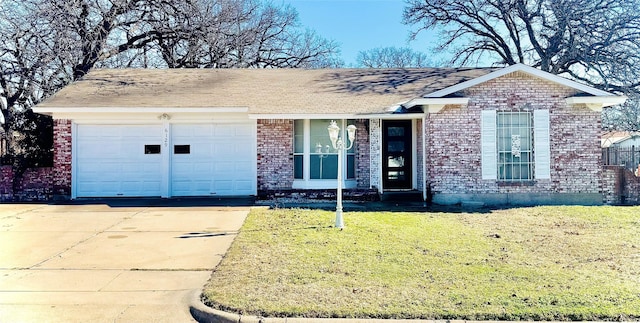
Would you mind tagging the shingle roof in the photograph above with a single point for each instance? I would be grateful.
(263, 91)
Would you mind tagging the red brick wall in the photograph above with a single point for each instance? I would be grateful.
(363, 172)
(454, 148)
(62, 157)
(620, 186)
(35, 184)
(275, 154)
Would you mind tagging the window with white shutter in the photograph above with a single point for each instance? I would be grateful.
(515, 145)
(542, 146)
(488, 141)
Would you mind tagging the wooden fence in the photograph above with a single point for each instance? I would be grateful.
(629, 157)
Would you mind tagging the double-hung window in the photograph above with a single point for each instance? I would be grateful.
(315, 159)
(515, 145)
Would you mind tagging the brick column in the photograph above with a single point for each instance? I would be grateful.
(275, 155)
(363, 158)
(62, 158)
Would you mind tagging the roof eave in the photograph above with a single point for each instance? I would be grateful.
(46, 110)
(596, 103)
(518, 68)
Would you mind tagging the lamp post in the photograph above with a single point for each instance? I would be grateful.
(340, 146)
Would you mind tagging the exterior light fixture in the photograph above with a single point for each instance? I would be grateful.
(340, 146)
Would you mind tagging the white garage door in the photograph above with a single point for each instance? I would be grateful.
(213, 160)
(118, 160)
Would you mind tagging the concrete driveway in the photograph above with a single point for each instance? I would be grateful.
(98, 263)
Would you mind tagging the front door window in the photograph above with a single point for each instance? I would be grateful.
(397, 154)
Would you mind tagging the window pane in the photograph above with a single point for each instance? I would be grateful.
(395, 131)
(353, 148)
(323, 166)
(395, 146)
(298, 167)
(351, 166)
(181, 149)
(320, 136)
(298, 136)
(514, 135)
(151, 149)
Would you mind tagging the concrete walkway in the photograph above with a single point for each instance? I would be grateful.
(102, 263)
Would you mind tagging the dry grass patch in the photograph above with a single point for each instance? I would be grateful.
(542, 263)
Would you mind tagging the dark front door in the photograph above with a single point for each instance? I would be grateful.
(396, 154)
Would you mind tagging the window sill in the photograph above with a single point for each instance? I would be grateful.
(323, 184)
(516, 183)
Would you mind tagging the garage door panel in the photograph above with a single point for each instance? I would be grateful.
(211, 167)
(244, 185)
(111, 161)
(244, 169)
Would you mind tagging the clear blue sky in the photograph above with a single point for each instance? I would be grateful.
(360, 24)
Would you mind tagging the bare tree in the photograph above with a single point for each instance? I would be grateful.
(248, 33)
(594, 41)
(392, 57)
(46, 44)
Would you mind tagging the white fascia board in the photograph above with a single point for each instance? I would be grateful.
(437, 101)
(596, 103)
(518, 68)
(312, 116)
(434, 105)
(393, 116)
(70, 110)
(386, 116)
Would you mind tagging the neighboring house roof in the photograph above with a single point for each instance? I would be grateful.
(262, 91)
(286, 92)
(611, 138)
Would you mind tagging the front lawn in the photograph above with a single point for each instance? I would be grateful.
(541, 263)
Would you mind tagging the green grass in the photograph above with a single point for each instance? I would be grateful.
(541, 263)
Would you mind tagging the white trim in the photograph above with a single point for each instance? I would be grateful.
(54, 110)
(596, 103)
(541, 144)
(382, 116)
(392, 116)
(489, 154)
(320, 184)
(255, 159)
(436, 104)
(518, 68)
(74, 160)
(306, 150)
(311, 116)
(414, 155)
(165, 183)
(424, 158)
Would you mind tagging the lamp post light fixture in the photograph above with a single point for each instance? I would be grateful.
(340, 145)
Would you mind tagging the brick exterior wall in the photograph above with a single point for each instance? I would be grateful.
(363, 172)
(275, 154)
(35, 184)
(620, 186)
(62, 157)
(275, 158)
(454, 147)
(375, 154)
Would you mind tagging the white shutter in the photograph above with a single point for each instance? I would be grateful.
(489, 159)
(541, 144)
